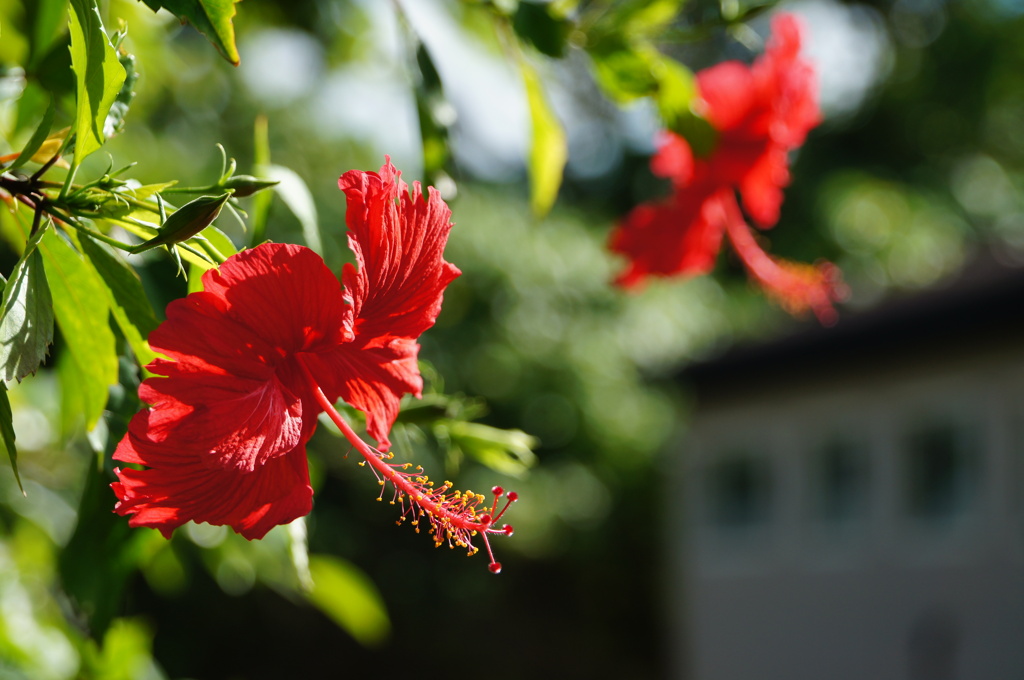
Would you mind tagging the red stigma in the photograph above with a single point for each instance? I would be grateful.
(495, 567)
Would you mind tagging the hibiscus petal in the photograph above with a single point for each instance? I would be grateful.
(673, 159)
(398, 240)
(285, 294)
(228, 349)
(729, 94)
(373, 380)
(787, 84)
(179, 486)
(674, 237)
(395, 291)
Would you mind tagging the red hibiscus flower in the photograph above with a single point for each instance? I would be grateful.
(272, 341)
(760, 113)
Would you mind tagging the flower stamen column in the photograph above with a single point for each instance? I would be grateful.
(452, 514)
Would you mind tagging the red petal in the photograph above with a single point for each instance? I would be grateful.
(372, 379)
(395, 290)
(180, 486)
(230, 346)
(787, 84)
(729, 94)
(667, 238)
(673, 159)
(285, 294)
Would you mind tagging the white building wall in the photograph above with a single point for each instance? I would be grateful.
(886, 595)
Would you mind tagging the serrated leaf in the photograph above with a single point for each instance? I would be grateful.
(82, 312)
(348, 596)
(128, 302)
(296, 195)
(26, 315)
(548, 148)
(7, 433)
(98, 76)
(212, 18)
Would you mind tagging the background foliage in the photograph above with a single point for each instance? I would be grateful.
(916, 169)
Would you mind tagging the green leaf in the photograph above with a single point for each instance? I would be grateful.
(7, 433)
(548, 148)
(38, 137)
(509, 452)
(349, 598)
(82, 312)
(126, 296)
(296, 195)
(126, 653)
(624, 74)
(98, 76)
(26, 315)
(212, 18)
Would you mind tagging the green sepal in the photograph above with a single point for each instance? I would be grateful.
(186, 222)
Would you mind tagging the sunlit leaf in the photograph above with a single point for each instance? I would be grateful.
(82, 312)
(624, 74)
(7, 433)
(548, 148)
(128, 302)
(349, 598)
(296, 195)
(509, 452)
(126, 652)
(26, 315)
(98, 76)
(212, 18)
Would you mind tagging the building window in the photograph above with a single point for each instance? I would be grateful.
(941, 471)
(838, 482)
(738, 491)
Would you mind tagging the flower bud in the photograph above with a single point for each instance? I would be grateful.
(186, 221)
(247, 185)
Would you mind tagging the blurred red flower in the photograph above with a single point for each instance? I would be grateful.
(759, 113)
(271, 342)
